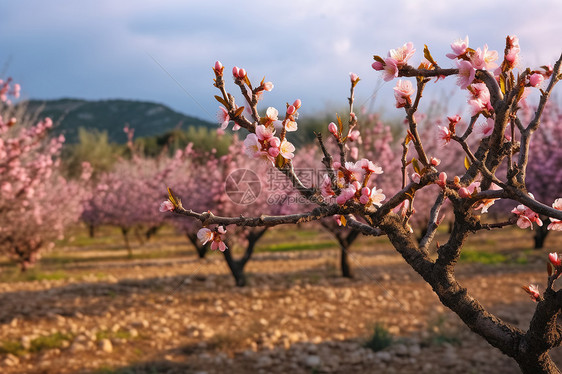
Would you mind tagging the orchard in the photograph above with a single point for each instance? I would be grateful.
(282, 256)
(495, 88)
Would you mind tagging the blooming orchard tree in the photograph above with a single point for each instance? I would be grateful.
(544, 172)
(130, 180)
(36, 203)
(230, 190)
(495, 90)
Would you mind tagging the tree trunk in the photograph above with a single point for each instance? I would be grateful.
(236, 268)
(151, 232)
(91, 230)
(537, 365)
(201, 249)
(541, 234)
(125, 232)
(344, 263)
(138, 234)
(345, 239)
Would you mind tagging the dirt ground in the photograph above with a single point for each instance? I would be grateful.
(92, 310)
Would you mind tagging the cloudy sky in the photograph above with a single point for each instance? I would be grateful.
(146, 50)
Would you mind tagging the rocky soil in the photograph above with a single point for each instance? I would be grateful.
(183, 315)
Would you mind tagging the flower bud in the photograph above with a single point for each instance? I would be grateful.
(463, 192)
(336, 165)
(241, 73)
(333, 128)
(268, 86)
(291, 110)
(536, 79)
(377, 65)
(297, 103)
(218, 67)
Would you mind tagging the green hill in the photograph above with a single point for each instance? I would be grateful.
(148, 119)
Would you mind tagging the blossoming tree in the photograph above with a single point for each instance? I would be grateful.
(230, 190)
(494, 93)
(32, 188)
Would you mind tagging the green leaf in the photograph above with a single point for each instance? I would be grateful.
(378, 58)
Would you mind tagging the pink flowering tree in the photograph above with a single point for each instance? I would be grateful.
(230, 190)
(137, 179)
(31, 184)
(495, 88)
(544, 176)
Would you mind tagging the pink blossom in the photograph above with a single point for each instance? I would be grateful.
(205, 235)
(466, 74)
(377, 65)
(353, 135)
(353, 77)
(218, 68)
(166, 206)
(416, 178)
(223, 117)
(554, 259)
(377, 196)
(479, 100)
(459, 48)
(526, 217)
(536, 79)
(402, 93)
(354, 152)
(463, 192)
(268, 86)
(556, 224)
(252, 145)
(484, 204)
(337, 217)
(326, 187)
(333, 128)
(453, 120)
(512, 52)
(444, 135)
(264, 133)
(218, 244)
(286, 149)
(390, 69)
(291, 126)
(371, 196)
(484, 59)
(272, 114)
(402, 55)
(345, 195)
(434, 161)
(484, 129)
(369, 166)
(442, 181)
(533, 291)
